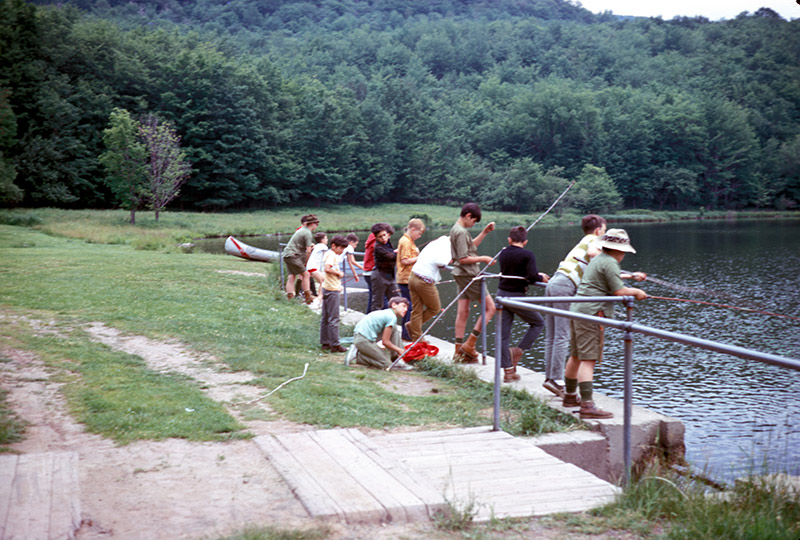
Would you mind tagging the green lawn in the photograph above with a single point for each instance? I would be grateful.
(243, 321)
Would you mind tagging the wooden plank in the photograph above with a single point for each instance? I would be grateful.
(485, 513)
(8, 469)
(305, 487)
(358, 504)
(483, 445)
(560, 473)
(401, 504)
(442, 433)
(420, 486)
(29, 509)
(65, 510)
(453, 438)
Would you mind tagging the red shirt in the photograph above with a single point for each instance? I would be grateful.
(369, 253)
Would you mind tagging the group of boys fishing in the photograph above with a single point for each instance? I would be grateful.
(573, 347)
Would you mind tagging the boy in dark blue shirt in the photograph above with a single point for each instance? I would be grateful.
(517, 261)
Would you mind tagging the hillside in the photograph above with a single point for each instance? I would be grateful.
(440, 101)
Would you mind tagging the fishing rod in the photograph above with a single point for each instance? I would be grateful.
(480, 275)
(751, 310)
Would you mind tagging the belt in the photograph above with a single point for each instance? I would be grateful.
(429, 281)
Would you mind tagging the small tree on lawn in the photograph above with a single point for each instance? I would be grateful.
(166, 168)
(124, 161)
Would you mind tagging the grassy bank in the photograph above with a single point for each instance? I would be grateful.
(174, 228)
(242, 321)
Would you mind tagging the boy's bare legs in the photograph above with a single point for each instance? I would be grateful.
(290, 286)
(468, 349)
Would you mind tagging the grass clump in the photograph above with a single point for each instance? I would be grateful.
(753, 508)
(524, 414)
(275, 533)
(12, 427)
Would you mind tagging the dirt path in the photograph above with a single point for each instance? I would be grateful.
(176, 489)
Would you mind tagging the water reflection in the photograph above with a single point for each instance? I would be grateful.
(738, 413)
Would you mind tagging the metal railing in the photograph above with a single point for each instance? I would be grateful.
(629, 328)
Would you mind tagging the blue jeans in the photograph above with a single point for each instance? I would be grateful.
(406, 293)
(535, 327)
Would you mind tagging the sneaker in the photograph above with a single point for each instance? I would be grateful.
(401, 366)
(554, 387)
(350, 356)
(590, 410)
(571, 400)
(338, 348)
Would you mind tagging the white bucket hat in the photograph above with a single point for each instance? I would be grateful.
(617, 239)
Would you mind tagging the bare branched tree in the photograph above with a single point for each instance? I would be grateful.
(167, 168)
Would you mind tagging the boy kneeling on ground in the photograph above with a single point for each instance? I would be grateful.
(601, 278)
(383, 325)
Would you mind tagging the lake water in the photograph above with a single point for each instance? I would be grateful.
(738, 413)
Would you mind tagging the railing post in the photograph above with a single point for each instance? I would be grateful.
(498, 344)
(280, 255)
(344, 282)
(483, 319)
(628, 394)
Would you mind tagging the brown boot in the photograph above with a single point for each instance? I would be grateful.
(468, 349)
(460, 357)
(516, 354)
(571, 400)
(510, 376)
(590, 410)
(308, 297)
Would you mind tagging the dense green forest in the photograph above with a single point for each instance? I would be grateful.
(499, 101)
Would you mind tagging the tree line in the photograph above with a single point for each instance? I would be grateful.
(503, 102)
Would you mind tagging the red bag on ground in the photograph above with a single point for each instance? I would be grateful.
(420, 351)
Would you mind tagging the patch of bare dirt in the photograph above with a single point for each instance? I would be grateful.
(176, 489)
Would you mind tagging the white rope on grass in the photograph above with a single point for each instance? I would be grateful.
(305, 369)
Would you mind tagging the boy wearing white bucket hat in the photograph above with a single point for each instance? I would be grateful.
(601, 278)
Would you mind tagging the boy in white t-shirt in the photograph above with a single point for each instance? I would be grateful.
(314, 263)
(331, 287)
(350, 255)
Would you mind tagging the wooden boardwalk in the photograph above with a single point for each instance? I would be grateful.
(39, 496)
(408, 476)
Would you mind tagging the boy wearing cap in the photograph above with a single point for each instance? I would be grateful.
(296, 253)
(601, 278)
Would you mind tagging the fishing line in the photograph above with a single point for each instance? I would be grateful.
(707, 292)
(479, 276)
(751, 310)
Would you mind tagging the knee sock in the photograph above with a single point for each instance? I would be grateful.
(570, 385)
(586, 391)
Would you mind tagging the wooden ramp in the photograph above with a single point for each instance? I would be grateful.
(39, 496)
(409, 476)
(504, 475)
(337, 474)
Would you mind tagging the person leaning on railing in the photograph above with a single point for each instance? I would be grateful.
(601, 278)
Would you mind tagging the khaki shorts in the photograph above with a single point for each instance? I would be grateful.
(586, 340)
(473, 292)
(295, 264)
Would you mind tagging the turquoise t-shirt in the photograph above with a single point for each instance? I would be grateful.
(373, 325)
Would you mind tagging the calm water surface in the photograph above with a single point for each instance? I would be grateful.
(738, 413)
